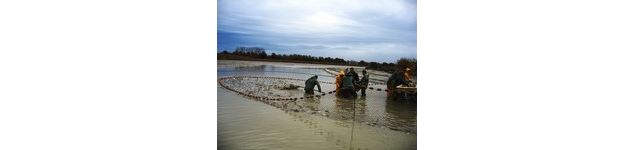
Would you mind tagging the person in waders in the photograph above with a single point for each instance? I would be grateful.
(354, 74)
(363, 83)
(399, 78)
(348, 87)
(310, 84)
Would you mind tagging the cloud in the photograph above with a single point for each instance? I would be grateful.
(376, 30)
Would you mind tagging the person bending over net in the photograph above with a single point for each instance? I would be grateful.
(310, 84)
(399, 78)
(348, 86)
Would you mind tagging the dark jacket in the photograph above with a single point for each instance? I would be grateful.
(397, 79)
(363, 83)
(310, 83)
(355, 76)
(347, 82)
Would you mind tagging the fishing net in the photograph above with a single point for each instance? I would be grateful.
(288, 95)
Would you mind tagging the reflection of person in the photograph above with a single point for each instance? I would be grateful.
(310, 102)
(344, 107)
(363, 83)
(310, 83)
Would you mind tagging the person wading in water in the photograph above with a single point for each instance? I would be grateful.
(363, 83)
(310, 83)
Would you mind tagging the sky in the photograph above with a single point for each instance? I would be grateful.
(369, 30)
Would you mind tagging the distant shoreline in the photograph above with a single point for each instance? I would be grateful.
(259, 54)
(236, 57)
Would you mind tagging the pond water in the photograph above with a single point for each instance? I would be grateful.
(326, 122)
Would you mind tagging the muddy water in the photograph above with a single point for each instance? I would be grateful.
(327, 122)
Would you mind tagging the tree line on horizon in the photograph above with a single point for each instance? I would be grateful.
(254, 53)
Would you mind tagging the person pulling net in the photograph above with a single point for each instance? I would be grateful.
(310, 84)
(400, 84)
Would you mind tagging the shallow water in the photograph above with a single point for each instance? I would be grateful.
(326, 122)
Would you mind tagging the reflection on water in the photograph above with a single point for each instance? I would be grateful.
(313, 103)
(344, 108)
(320, 122)
(401, 113)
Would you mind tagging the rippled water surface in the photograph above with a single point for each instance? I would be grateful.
(327, 122)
